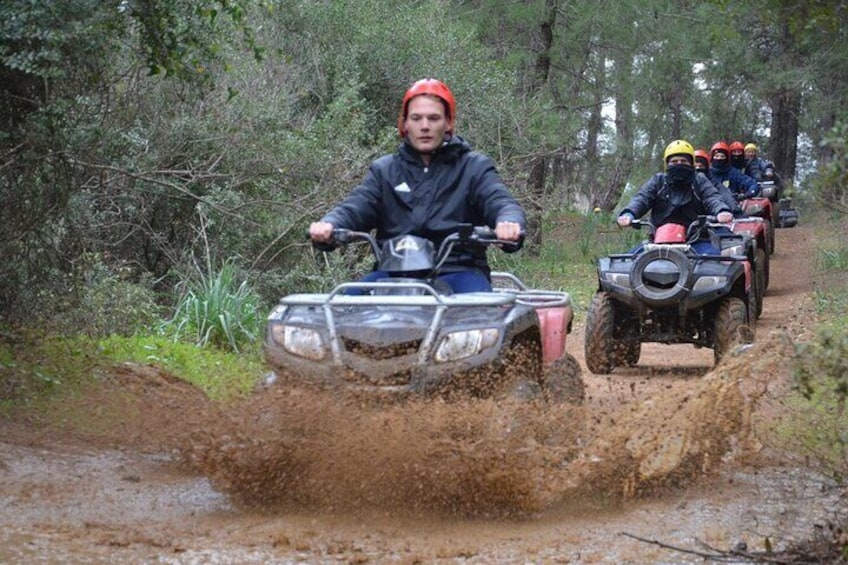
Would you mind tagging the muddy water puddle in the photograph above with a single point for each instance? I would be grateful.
(288, 477)
(107, 506)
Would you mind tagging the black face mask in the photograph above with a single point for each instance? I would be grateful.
(680, 175)
(722, 165)
(738, 161)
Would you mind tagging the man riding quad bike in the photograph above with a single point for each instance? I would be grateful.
(666, 292)
(407, 334)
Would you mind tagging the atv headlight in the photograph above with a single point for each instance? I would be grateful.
(754, 209)
(303, 342)
(734, 250)
(459, 345)
(709, 283)
(618, 279)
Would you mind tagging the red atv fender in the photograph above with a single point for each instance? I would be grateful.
(553, 325)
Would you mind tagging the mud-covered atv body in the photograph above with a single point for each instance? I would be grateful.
(407, 334)
(666, 292)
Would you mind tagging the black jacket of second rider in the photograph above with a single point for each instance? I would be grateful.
(680, 205)
(400, 196)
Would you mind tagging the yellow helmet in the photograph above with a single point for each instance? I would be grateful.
(752, 146)
(679, 147)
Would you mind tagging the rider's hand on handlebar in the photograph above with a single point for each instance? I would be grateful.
(508, 231)
(624, 220)
(724, 217)
(321, 232)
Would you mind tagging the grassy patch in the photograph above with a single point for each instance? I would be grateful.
(820, 368)
(35, 367)
(220, 374)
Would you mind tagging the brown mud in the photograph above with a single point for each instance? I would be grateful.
(144, 468)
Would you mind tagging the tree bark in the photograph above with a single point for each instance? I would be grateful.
(783, 144)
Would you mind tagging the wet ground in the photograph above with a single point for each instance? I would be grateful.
(666, 462)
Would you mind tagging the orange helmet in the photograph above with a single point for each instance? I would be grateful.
(720, 146)
(702, 154)
(737, 147)
(432, 87)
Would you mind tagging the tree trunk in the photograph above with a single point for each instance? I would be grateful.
(783, 145)
(536, 188)
(539, 164)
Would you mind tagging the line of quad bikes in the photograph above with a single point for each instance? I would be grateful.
(408, 336)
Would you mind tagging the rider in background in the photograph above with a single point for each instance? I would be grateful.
(678, 195)
(721, 172)
(761, 169)
(430, 185)
(702, 165)
(756, 167)
(737, 156)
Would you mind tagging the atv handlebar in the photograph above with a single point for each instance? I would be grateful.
(465, 233)
(693, 230)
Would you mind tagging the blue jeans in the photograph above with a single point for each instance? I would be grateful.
(470, 280)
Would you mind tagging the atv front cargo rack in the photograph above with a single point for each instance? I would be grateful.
(422, 295)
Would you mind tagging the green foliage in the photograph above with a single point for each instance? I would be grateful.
(178, 38)
(823, 364)
(820, 368)
(831, 186)
(817, 430)
(217, 310)
(102, 300)
(35, 365)
(220, 374)
(819, 423)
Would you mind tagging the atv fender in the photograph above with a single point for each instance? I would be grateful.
(553, 325)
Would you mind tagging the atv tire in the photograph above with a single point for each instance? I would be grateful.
(760, 280)
(766, 271)
(630, 352)
(731, 327)
(562, 381)
(770, 225)
(520, 371)
(599, 342)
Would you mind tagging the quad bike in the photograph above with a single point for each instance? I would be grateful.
(783, 213)
(665, 292)
(408, 334)
(762, 207)
(755, 242)
(788, 215)
(761, 232)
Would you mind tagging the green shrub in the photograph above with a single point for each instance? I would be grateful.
(217, 310)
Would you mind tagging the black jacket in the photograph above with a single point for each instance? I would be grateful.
(400, 195)
(678, 205)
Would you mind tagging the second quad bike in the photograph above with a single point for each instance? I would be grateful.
(788, 214)
(762, 207)
(664, 291)
(409, 335)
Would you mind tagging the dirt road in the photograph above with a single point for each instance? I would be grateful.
(146, 469)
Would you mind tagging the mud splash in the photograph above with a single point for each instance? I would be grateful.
(286, 448)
